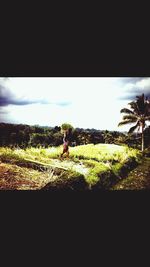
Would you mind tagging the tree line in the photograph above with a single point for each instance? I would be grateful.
(20, 135)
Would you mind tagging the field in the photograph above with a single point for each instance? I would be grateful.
(90, 167)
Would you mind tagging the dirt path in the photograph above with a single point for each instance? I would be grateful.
(137, 179)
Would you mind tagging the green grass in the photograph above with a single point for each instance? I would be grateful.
(95, 173)
(96, 162)
(103, 152)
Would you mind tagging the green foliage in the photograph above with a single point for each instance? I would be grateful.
(67, 130)
(66, 126)
(116, 168)
(24, 136)
(57, 139)
(102, 152)
(138, 113)
(96, 172)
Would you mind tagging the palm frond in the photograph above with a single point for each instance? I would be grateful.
(134, 118)
(141, 103)
(126, 110)
(132, 129)
(139, 113)
(135, 107)
(125, 122)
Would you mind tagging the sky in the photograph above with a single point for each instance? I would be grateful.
(84, 102)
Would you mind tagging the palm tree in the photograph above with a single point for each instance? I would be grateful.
(138, 113)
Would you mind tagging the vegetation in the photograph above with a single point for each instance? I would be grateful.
(98, 165)
(24, 136)
(97, 159)
(14, 177)
(66, 129)
(139, 113)
(138, 178)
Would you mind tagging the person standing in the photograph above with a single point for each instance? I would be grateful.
(65, 147)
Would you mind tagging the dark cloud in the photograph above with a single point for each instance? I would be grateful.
(5, 95)
(8, 98)
(132, 95)
(5, 101)
(135, 90)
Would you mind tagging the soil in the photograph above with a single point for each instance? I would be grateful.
(13, 177)
(138, 179)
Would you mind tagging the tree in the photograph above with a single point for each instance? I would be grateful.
(138, 113)
(108, 137)
(57, 139)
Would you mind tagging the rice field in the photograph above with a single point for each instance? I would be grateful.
(94, 162)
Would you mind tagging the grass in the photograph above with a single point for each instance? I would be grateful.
(98, 163)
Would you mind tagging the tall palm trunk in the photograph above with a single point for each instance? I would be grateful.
(142, 137)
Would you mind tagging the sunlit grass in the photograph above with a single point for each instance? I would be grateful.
(90, 160)
(104, 152)
(100, 153)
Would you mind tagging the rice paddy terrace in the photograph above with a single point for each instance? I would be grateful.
(90, 167)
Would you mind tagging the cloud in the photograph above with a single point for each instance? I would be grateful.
(3, 111)
(132, 80)
(63, 104)
(84, 102)
(132, 95)
(134, 87)
(5, 101)
(5, 95)
(9, 96)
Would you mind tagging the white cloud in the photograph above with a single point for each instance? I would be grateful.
(90, 102)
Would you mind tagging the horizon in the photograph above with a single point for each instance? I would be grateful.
(86, 102)
(42, 126)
